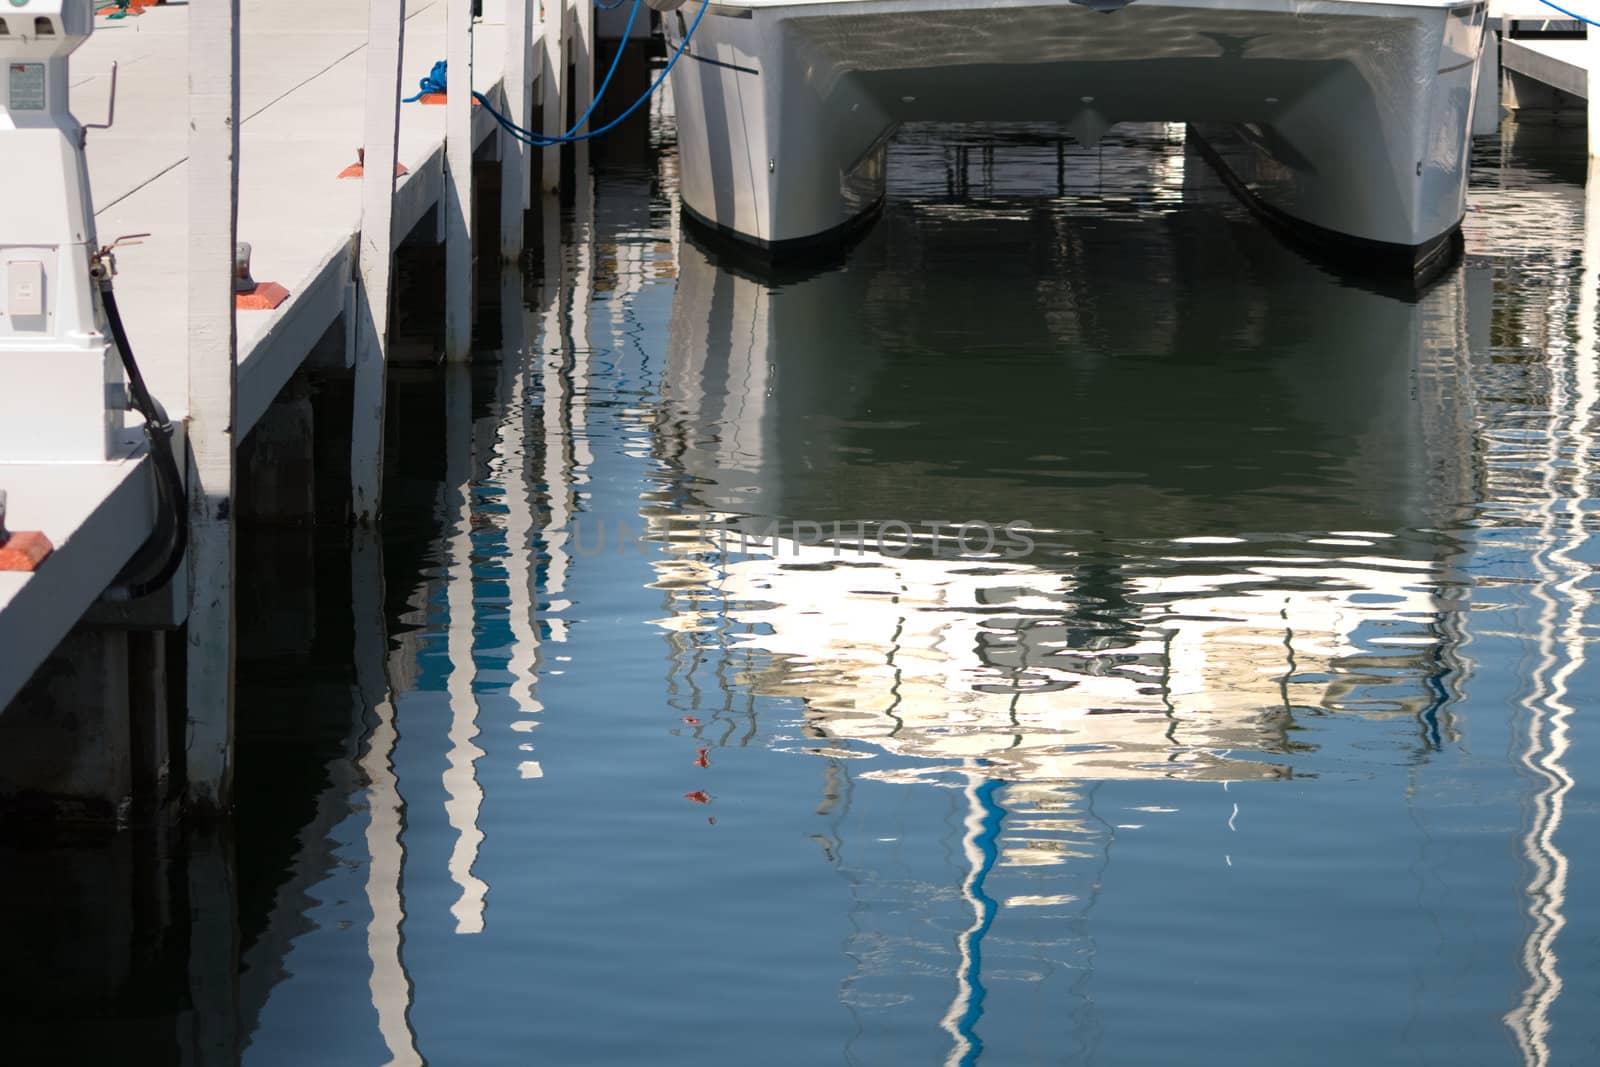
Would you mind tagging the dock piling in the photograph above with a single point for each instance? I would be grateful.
(583, 58)
(385, 46)
(514, 183)
(1591, 50)
(213, 374)
(552, 88)
(458, 183)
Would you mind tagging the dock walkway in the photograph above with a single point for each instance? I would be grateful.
(303, 78)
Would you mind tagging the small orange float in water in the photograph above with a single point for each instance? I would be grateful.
(700, 758)
(699, 796)
(691, 720)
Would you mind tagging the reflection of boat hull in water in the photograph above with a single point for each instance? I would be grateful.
(1232, 460)
(1245, 556)
(1350, 116)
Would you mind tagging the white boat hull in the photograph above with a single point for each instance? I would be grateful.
(1349, 116)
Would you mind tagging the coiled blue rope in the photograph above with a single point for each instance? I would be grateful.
(1570, 14)
(438, 78)
(437, 81)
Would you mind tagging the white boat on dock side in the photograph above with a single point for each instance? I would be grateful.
(1348, 118)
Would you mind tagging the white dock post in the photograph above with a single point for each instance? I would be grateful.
(385, 44)
(583, 59)
(458, 184)
(553, 89)
(213, 341)
(513, 152)
(1591, 57)
(1486, 105)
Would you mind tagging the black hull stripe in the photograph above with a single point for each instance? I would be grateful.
(720, 63)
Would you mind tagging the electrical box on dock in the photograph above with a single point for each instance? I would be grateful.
(61, 387)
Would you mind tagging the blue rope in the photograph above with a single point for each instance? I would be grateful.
(1570, 14)
(537, 140)
(435, 82)
(438, 79)
(616, 61)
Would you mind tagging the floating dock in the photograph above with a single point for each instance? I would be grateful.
(312, 84)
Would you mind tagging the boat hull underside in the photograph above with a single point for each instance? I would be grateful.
(1351, 117)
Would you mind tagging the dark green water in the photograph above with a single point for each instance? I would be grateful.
(1272, 747)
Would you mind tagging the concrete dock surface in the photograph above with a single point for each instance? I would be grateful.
(302, 113)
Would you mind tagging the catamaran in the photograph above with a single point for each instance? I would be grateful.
(1348, 120)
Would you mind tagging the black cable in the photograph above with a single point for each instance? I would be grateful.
(172, 525)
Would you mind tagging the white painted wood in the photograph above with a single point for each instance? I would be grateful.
(552, 90)
(458, 185)
(583, 58)
(385, 46)
(1591, 59)
(213, 369)
(513, 152)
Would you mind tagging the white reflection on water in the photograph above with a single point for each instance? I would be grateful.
(389, 983)
(460, 777)
(1564, 459)
(964, 659)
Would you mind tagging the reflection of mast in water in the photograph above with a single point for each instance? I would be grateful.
(980, 845)
(1564, 608)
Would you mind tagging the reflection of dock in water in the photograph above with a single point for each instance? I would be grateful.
(461, 674)
(1565, 460)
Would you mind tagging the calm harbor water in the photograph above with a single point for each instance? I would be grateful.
(684, 712)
